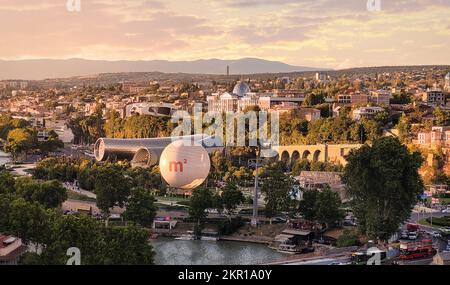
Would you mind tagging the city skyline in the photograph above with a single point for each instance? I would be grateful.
(323, 34)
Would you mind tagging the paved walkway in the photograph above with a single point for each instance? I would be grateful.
(71, 187)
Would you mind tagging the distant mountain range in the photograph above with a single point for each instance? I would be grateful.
(50, 68)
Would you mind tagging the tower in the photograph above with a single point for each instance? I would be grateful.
(228, 70)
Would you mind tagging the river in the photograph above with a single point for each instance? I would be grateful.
(197, 252)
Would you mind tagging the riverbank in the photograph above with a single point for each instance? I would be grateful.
(258, 240)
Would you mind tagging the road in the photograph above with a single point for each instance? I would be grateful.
(423, 261)
(322, 261)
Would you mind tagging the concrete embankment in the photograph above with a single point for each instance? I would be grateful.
(265, 241)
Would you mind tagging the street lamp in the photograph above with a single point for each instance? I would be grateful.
(256, 162)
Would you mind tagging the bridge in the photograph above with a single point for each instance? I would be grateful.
(334, 153)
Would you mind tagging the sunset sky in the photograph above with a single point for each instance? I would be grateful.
(319, 33)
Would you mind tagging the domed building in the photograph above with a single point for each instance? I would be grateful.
(241, 89)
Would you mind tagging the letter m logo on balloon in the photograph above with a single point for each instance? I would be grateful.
(176, 166)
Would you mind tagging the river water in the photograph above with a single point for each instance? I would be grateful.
(197, 252)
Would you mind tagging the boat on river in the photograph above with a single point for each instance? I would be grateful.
(209, 236)
(187, 236)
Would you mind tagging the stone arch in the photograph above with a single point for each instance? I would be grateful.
(285, 157)
(295, 156)
(306, 154)
(316, 156)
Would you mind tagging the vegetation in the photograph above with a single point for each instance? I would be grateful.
(280, 190)
(30, 211)
(321, 206)
(349, 238)
(140, 207)
(50, 194)
(341, 129)
(384, 184)
(230, 198)
(85, 171)
(88, 129)
(201, 200)
(21, 138)
(112, 188)
(442, 222)
(136, 126)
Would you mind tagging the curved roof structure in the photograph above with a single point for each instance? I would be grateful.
(146, 152)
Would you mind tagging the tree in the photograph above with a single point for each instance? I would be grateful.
(19, 141)
(327, 207)
(401, 98)
(321, 206)
(201, 200)
(6, 182)
(112, 188)
(29, 221)
(144, 126)
(8, 123)
(140, 207)
(114, 125)
(242, 176)
(87, 129)
(231, 197)
(349, 238)
(82, 232)
(404, 128)
(50, 194)
(280, 190)
(54, 233)
(220, 164)
(442, 117)
(145, 178)
(127, 246)
(307, 206)
(383, 182)
(52, 143)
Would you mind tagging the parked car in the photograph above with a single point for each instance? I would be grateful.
(435, 234)
(446, 211)
(279, 220)
(404, 235)
(412, 236)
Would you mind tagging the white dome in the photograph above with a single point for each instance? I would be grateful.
(184, 166)
(241, 89)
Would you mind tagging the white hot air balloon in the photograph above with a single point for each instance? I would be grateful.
(184, 166)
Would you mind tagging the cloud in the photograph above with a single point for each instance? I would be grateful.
(324, 33)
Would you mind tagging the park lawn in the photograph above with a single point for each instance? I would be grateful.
(76, 196)
(444, 201)
(424, 222)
